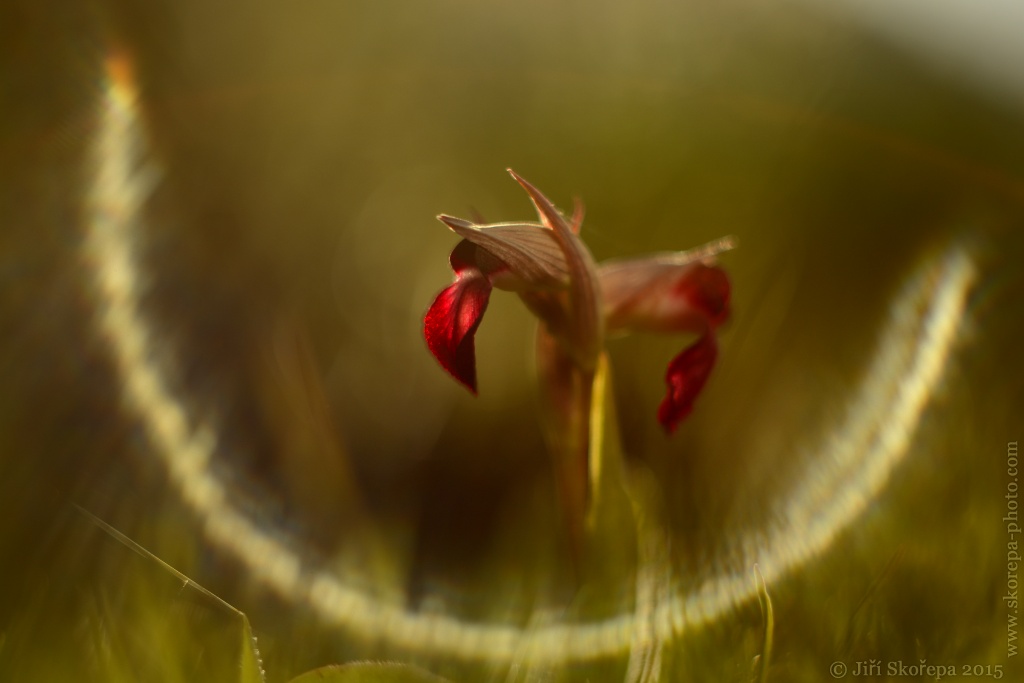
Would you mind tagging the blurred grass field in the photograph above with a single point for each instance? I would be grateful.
(290, 249)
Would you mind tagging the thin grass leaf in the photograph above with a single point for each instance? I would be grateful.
(610, 552)
(252, 665)
(610, 509)
(248, 661)
(762, 661)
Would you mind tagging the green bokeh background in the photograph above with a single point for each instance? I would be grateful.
(305, 150)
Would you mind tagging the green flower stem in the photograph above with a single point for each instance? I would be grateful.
(566, 393)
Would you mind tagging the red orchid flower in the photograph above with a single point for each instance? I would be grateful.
(553, 272)
(671, 293)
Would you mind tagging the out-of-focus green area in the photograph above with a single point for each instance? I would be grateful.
(291, 250)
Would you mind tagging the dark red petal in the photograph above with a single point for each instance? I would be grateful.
(707, 289)
(452, 319)
(465, 257)
(686, 376)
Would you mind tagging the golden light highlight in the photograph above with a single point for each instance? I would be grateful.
(850, 468)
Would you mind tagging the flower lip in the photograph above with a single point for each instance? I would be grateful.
(451, 321)
(685, 378)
